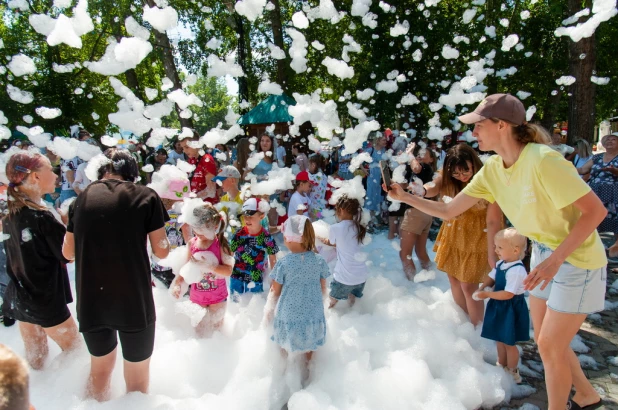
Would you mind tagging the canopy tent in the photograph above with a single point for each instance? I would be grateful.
(274, 111)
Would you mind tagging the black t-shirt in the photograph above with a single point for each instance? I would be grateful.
(426, 174)
(39, 290)
(111, 221)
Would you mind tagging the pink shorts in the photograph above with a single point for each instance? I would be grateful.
(209, 292)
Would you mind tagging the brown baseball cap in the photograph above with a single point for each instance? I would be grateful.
(503, 106)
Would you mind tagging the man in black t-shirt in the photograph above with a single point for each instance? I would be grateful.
(109, 225)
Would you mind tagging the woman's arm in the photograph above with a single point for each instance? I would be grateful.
(585, 169)
(495, 222)
(159, 243)
(592, 214)
(68, 246)
(460, 204)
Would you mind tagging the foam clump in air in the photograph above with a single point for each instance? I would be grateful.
(400, 29)
(279, 179)
(323, 116)
(64, 29)
(251, 9)
(298, 50)
(162, 19)
(17, 95)
(48, 113)
(220, 68)
(21, 65)
(449, 52)
(602, 10)
(338, 68)
(599, 80)
(120, 57)
(299, 19)
(267, 87)
(565, 80)
(509, 42)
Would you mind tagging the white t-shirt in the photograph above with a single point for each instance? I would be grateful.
(514, 276)
(350, 268)
(173, 157)
(81, 181)
(296, 201)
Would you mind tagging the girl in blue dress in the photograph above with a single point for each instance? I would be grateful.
(374, 180)
(297, 291)
(506, 317)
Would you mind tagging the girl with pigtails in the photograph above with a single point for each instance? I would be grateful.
(347, 237)
(39, 291)
(209, 262)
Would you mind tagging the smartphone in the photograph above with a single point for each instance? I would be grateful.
(386, 174)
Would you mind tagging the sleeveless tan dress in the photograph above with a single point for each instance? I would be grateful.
(461, 245)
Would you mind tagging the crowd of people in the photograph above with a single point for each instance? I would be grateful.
(145, 221)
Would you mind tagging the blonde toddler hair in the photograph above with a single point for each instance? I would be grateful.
(515, 239)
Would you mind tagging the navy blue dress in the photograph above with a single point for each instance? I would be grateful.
(506, 321)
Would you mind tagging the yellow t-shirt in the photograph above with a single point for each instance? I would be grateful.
(537, 195)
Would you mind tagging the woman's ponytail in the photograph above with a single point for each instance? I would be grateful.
(527, 133)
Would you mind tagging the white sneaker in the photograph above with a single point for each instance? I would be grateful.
(514, 374)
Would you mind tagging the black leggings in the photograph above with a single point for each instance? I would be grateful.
(136, 345)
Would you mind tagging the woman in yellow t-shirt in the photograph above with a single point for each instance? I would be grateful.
(546, 200)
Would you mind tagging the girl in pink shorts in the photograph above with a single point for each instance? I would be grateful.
(210, 261)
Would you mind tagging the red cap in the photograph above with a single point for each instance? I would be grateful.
(304, 176)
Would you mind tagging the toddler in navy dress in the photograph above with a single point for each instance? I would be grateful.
(507, 320)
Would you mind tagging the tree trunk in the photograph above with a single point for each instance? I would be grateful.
(171, 71)
(133, 82)
(582, 92)
(278, 39)
(243, 87)
(550, 110)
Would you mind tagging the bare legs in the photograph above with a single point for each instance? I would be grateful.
(553, 332)
(213, 320)
(35, 340)
(394, 222)
(613, 250)
(462, 294)
(409, 242)
(508, 356)
(136, 376)
(333, 301)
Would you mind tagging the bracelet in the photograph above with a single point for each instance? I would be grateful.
(424, 193)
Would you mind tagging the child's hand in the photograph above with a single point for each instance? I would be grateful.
(480, 295)
(176, 287)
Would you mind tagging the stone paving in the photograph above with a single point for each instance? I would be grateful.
(599, 335)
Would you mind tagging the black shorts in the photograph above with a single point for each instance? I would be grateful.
(136, 346)
(165, 276)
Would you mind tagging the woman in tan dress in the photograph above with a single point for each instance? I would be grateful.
(464, 246)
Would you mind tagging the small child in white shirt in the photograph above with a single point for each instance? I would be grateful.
(299, 202)
(507, 320)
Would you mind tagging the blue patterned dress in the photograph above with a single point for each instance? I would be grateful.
(299, 322)
(605, 185)
(374, 182)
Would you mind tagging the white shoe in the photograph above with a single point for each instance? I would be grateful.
(514, 374)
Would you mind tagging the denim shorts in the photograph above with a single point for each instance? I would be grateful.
(340, 291)
(238, 286)
(573, 289)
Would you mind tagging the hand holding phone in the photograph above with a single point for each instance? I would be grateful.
(386, 174)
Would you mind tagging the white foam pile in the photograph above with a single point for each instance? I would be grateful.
(402, 345)
(162, 19)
